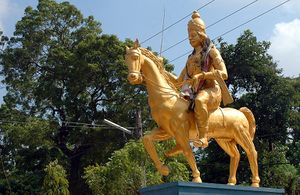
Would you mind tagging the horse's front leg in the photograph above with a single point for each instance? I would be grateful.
(157, 134)
(182, 139)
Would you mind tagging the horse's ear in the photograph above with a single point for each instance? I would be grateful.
(127, 49)
(136, 44)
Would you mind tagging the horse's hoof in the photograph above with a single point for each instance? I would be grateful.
(231, 184)
(197, 180)
(255, 182)
(231, 181)
(164, 170)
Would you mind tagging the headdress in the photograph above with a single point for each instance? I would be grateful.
(196, 23)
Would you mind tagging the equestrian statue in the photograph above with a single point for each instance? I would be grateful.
(193, 113)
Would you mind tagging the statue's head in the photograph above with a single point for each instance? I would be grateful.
(196, 30)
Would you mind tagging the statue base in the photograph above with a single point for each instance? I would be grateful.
(190, 188)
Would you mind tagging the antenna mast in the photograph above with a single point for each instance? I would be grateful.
(162, 32)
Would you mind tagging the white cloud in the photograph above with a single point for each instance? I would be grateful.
(285, 46)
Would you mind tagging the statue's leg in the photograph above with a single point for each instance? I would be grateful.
(230, 148)
(157, 134)
(182, 139)
(243, 139)
(201, 115)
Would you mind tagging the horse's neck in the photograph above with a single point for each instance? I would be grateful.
(158, 88)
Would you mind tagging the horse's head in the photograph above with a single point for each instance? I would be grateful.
(134, 60)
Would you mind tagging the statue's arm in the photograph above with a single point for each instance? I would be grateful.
(219, 67)
(218, 64)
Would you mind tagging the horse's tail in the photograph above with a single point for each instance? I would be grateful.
(251, 120)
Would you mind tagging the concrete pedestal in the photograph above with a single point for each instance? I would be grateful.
(190, 188)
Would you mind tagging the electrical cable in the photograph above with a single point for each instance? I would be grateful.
(250, 20)
(221, 19)
(151, 37)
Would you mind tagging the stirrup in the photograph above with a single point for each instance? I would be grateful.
(202, 142)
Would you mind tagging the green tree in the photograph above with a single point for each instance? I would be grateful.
(130, 168)
(277, 171)
(60, 67)
(55, 181)
(26, 148)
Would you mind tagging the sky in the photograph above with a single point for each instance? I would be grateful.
(142, 19)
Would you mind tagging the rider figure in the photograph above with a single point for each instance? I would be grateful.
(204, 67)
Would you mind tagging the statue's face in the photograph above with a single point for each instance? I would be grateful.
(195, 38)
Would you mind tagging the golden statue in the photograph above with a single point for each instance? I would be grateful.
(194, 114)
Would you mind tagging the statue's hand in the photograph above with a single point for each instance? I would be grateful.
(198, 77)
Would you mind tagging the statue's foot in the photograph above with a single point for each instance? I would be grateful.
(202, 142)
(256, 185)
(197, 180)
(176, 150)
(164, 170)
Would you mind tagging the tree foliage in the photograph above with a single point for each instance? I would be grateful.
(61, 72)
(59, 66)
(130, 168)
(55, 181)
(26, 148)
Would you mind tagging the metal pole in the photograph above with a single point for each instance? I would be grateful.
(139, 128)
(117, 126)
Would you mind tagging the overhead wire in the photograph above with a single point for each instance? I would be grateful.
(221, 19)
(253, 18)
(67, 123)
(250, 20)
(81, 124)
(151, 37)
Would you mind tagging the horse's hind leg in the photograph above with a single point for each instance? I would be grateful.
(157, 134)
(230, 148)
(243, 139)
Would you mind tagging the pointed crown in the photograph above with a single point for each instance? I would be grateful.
(196, 23)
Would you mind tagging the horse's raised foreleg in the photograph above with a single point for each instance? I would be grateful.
(247, 144)
(230, 148)
(174, 151)
(157, 134)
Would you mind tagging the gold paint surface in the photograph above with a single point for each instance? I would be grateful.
(170, 108)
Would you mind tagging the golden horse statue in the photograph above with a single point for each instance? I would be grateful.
(227, 126)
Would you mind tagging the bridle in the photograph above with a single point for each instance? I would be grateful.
(138, 62)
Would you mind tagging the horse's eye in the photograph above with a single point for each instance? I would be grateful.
(135, 57)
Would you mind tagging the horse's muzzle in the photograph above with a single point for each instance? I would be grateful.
(135, 78)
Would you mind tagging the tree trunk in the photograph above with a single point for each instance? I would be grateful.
(75, 181)
(139, 128)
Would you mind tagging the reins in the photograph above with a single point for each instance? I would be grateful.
(159, 86)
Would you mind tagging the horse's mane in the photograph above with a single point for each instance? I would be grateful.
(159, 64)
